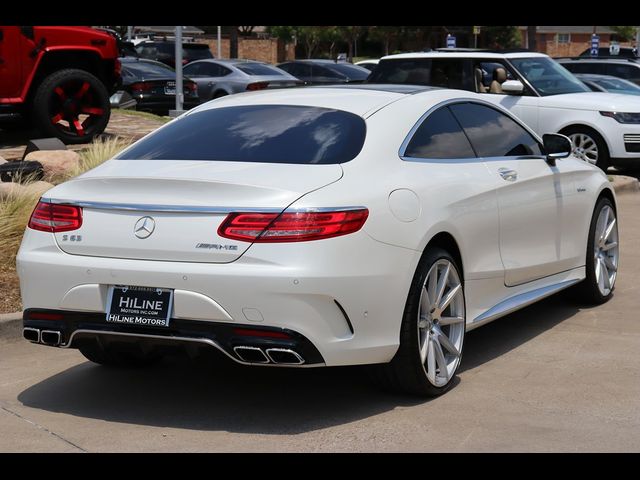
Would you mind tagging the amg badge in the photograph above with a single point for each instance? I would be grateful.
(217, 246)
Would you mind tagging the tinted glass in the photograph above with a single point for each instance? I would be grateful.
(257, 133)
(617, 85)
(629, 72)
(352, 72)
(196, 52)
(317, 71)
(147, 70)
(258, 69)
(492, 133)
(448, 73)
(584, 67)
(439, 136)
(547, 76)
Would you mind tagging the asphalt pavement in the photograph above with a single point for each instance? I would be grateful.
(555, 376)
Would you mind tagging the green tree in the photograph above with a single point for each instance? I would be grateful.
(350, 35)
(625, 33)
(502, 37)
(386, 35)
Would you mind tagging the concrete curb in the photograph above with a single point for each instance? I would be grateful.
(10, 326)
(623, 184)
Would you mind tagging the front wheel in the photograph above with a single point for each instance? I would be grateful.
(602, 260)
(589, 146)
(72, 105)
(432, 331)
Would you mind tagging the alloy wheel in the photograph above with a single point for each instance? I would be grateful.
(584, 147)
(441, 322)
(605, 250)
(74, 107)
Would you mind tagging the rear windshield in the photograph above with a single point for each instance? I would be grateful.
(257, 133)
(353, 72)
(258, 69)
(147, 70)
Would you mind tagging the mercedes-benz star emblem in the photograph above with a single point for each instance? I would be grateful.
(144, 227)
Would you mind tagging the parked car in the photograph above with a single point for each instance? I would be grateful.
(607, 83)
(165, 52)
(625, 52)
(368, 64)
(57, 79)
(604, 127)
(318, 227)
(153, 85)
(217, 78)
(626, 68)
(325, 72)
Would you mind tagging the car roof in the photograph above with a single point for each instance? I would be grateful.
(361, 100)
(314, 60)
(464, 54)
(125, 60)
(610, 59)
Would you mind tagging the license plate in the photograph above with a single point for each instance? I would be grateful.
(142, 306)
(169, 91)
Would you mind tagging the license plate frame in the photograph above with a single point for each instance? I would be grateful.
(138, 306)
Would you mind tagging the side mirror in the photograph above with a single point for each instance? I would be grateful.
(513, 87)
(556, 146)
(122, 99)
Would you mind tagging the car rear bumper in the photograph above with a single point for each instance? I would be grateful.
(346, 295)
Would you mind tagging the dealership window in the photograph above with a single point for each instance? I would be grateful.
(564, 38)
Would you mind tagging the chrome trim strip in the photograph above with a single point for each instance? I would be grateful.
(253, 349)
(295, 354)
(206, 341)
(517, 302)
(37, 330)
(192, 208)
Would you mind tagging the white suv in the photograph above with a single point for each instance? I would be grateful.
(604, 127)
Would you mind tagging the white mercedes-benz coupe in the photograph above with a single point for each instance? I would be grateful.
(318, 226)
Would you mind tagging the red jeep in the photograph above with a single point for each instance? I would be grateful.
(58, 79)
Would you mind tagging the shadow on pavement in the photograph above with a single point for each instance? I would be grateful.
(219, 395)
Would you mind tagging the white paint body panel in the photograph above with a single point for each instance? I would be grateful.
(294, 285)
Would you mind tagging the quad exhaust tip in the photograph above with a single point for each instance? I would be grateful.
(251, 354)
(278, 356)
(284, 356)
(50, 337)
(31, 334)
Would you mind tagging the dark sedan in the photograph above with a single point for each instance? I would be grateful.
(325, 72)
(153, 85)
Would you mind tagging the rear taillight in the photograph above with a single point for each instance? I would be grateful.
(48, 217)
(191, 87)
(257, 86)
(140, 87)
(291, 227)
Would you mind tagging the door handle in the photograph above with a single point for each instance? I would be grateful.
(508, 174)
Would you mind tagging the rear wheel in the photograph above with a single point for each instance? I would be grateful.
(432, 331)
(219, 93)
(72, 105)
(113, 357)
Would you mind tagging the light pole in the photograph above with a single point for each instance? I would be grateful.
(219, 42)
(179, 91)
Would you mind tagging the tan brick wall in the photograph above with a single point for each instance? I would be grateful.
(269, 50)
(546, 43)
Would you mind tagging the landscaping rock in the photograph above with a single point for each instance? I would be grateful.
(56, 163)
(2, 160)
(10, 189)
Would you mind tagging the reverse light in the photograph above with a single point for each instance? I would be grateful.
(49, 217)
(291, 227)
(623, 117)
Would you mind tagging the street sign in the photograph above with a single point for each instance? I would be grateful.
(476, 30)
(614, 48)
(451, 41)
(595, 44)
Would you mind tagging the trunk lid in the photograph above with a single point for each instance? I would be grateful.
(171, 210)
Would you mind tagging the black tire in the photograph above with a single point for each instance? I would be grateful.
(587, 291)
(603, 152)
(112, 357)
(218, 94)
(72, 104)
(406, 372)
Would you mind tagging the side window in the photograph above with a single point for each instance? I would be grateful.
(492, 133)
(627, 72)
(439, 136)
(325, 72)
(223, 71)
(193, 70)
(583, 67)
(451, 73)
(210, 69)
